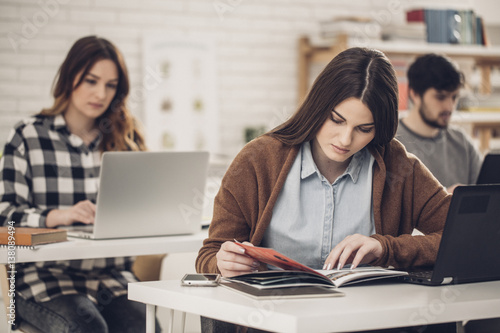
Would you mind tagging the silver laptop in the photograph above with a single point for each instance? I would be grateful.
(148, 194)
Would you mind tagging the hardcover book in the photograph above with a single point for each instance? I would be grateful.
(24, 236)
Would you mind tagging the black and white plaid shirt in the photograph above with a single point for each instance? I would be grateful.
(45, 167)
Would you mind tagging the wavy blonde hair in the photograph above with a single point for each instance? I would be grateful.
(119, 129)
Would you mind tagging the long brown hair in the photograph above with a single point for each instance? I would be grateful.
(361, 73)
(117, 126)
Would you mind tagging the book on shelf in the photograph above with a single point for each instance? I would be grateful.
(450, 26)
(481, 36)
(444, 26)
(26, 236)
(415, 15)
(360, 28)
(401, 65)
(467, 26)
(409, 32)
(296, 275)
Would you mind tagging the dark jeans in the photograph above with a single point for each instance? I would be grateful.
(209, 325)
(77, 314)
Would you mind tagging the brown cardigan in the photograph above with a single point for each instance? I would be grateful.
(405, 196)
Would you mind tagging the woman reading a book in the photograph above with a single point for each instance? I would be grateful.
(330, 186)
(48, 177)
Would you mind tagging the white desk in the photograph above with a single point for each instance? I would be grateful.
(365, 307)
(76, 248)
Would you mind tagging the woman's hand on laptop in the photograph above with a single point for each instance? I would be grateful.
(232, 261)
(83, 211)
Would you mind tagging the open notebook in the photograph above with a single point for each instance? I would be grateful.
(148, 194)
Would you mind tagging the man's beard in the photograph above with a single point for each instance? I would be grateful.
(431, 122)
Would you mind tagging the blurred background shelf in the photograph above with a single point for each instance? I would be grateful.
(480, 100)
(313, 51)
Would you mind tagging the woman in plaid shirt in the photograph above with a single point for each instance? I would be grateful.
(48, 177)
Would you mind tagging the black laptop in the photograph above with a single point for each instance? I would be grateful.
(470, 245)
(490, 170)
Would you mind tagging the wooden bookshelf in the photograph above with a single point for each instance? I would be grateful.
(322, 51)
(485, 58)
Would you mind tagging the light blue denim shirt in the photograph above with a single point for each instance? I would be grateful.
(311, 215)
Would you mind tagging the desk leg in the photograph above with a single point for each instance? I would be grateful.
(150, 318)
(171, 326)
(183, 322)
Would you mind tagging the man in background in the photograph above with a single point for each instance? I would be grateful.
(434, 84)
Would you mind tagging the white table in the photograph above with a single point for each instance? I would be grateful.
(377, 306)
(76, 248)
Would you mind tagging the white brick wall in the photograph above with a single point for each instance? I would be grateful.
(255, 49)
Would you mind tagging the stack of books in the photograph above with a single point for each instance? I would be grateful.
(360, 29)
(413, 32)
(449, 26)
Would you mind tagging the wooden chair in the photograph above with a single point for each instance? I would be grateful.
(148, 268)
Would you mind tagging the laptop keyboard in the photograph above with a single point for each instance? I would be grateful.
(424, 275)
(79, 228)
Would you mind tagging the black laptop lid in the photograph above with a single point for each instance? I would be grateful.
(490, 170)
(470, 246)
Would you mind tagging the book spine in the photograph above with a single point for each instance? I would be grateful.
(415, 15)
(454, 26)
(433, 26)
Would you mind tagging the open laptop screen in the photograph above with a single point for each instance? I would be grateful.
(490, 170)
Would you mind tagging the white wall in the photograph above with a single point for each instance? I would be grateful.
(255, 48)
(255, 45)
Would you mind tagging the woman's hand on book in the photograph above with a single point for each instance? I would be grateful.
(354, 249)
(232, 261)
(83, 211)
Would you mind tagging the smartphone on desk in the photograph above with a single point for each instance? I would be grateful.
(200, 280)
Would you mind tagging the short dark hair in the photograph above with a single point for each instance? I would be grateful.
(434, 71)
(362, 73)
